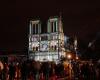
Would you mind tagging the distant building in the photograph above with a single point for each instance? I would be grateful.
(46, 46)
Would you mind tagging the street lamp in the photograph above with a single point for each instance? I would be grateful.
(77, 57)
(69, 56)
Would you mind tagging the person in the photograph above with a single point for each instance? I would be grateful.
(85, 71)
(0, 73)
(23, 71)
(5, 71)
(92, 72)
(37, 67)
(1, 70)
(11, 71)
(98, 71)
(46, 69)
(41, 76)
(76, 70)
(17, 71)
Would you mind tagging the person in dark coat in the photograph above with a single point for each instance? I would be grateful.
(11, 72)
(23, 71)
(85, 71)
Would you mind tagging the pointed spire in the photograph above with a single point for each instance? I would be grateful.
(75, 42)
(60, 22)
(60, 15)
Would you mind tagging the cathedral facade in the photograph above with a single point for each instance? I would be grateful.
(47, 46)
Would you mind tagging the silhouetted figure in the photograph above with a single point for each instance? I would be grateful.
(92, 72)
(85, 71)
(23, 71)
(0, 73)
(98, 72)
(5, 72)
(37, 70)
(11, 72)
(46, 69)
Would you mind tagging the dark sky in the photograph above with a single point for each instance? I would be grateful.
(80, 17)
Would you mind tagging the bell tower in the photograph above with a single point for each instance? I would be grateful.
(54, 25)
(56, 36)
(35, 27)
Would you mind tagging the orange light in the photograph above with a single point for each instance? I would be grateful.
(69, 56)
(77, 57)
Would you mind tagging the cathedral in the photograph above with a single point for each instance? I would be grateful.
(47, 46)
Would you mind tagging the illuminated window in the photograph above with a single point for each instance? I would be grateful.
(35, 48)
(53, 48)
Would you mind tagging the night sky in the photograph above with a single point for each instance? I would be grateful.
(80, 17)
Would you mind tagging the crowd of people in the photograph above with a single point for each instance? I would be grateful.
(32, 70)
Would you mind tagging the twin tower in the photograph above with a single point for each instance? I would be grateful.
(53, 25)
(47, 46)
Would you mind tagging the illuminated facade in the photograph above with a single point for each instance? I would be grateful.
(46, 46)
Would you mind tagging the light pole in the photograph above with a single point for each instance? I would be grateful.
(69, 56)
